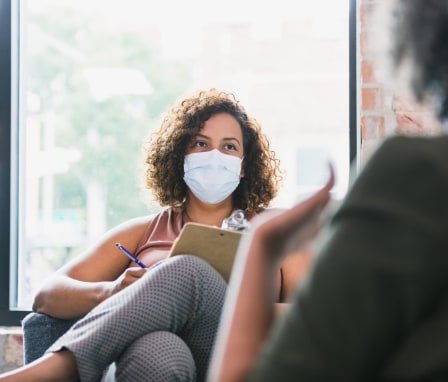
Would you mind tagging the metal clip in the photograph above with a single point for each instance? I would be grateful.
(236, 221)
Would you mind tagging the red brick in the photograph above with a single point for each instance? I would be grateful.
(363, 41)
(372, 99)
(365, 10)
(372, 127)
(368, 72)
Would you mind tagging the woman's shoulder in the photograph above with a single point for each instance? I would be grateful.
(141, 223)
(164, 216)
(411, 149)
(160, 224)
(403, 161)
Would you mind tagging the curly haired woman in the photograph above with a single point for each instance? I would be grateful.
(159, 323)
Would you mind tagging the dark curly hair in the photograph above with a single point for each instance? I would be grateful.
(420, 37)
(165, 150)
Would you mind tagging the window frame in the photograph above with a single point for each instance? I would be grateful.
(9, 129)
(354, 130)
(8, 317)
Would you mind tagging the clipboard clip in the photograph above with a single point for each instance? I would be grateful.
(236, 221)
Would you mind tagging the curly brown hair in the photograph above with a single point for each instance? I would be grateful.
(165, 150)
(418, 36)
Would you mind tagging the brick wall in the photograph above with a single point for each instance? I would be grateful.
(382, 111)
(372, 101)
(11, 353)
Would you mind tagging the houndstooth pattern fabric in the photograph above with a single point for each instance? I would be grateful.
(171, 359)
(167, 320)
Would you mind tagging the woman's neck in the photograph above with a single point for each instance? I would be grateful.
(210, 214)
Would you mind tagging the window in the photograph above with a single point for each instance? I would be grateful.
(87, 88)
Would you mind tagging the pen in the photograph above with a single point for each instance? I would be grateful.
(130, 255)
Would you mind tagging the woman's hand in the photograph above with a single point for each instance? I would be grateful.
(128, 277)
(287, 231)
(248, 310)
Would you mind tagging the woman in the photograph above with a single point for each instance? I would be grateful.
(210, 125)
(158, 323)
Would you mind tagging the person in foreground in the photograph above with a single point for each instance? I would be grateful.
(159, 323)
(374, 306)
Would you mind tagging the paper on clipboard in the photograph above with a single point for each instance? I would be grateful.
(215, 245)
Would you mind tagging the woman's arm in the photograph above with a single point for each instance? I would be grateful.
(294, 268)
(248, 311)
(96, 274)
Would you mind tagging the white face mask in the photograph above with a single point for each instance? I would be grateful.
(211, 175)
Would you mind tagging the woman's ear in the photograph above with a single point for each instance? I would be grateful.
(243, 165)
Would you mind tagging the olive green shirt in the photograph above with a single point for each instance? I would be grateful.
(373, 307)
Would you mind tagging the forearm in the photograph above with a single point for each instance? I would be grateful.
(249, 309)
(248, 314)
(66, 298)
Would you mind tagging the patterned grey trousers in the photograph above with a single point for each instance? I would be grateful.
(160, 328)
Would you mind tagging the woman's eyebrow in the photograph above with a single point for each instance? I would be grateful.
(199, 135)
(232, 139)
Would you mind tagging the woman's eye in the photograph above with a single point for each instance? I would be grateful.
(200, 144)
(229, 146)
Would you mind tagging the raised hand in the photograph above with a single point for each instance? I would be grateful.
(287, 231)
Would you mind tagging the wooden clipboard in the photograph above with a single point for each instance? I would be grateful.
(215, 245)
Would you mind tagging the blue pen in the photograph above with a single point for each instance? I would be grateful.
(130, 255)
